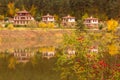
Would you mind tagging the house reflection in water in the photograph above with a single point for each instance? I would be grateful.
(23, 55)
(71, 52)
(47, 52)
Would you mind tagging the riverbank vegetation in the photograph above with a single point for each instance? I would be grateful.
(82, 55)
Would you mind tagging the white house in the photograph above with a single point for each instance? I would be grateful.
(91, 22)
(23, 18)
(68, 21)
(48, 18)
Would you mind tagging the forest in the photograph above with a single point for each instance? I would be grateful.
(102, 9)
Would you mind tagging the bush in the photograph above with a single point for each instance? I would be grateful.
(38, 18)
(6, 18)
(50, 25)
(32, 24)
(1, 17)
(10, 26)
(46, 25)
(42, 25)
(100, 27)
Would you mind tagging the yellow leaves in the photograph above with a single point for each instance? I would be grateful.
(46, 49)
(11, 8)
(2, 17)
(113, 49)
(56, 17)
(10, 50)
(50, 25)
(112, 25)
(16, 10)
(33, 10)
(46, 25)
(12, 63)
(42, 25)
(10, 26)
(85, 16)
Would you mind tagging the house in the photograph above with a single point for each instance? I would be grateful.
(23, 18)
(48, 18)
(22, 55)
(68, 21)
(91, 23)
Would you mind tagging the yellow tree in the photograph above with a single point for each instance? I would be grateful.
(113, 49)
(11, 9)
(33, 10)
(112, 25)
(85, 16)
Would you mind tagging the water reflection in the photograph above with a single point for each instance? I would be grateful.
(23, 55)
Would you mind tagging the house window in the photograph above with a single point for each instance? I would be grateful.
(22, 17)
(51, 54)
(45, 54)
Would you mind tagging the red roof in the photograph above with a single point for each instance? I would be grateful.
(68, 16)
(24, 11)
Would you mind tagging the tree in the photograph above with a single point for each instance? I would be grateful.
(11, 9)
(113, 49)
(33, 10)
(80, 26)
(10, 26)
(85, 16)
(112, 25)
